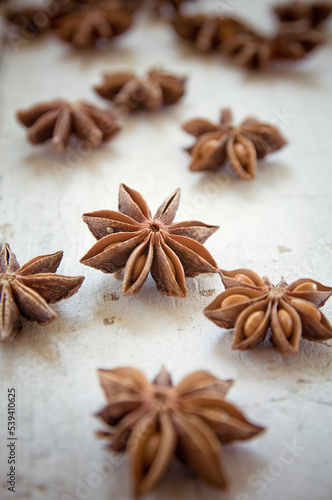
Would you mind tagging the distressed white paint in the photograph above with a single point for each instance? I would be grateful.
(278, 224)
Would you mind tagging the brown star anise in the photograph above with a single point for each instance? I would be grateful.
(248, 49)
(152, 92)
(141, 244)
(89, 25)
(157, 421)
(203, 31)
(59, 120)
(241, 145)
(253, 305)
(26, 291)
(315, 13)
(295, 40)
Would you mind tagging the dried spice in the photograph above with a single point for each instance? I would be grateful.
(203, 31)
(86, 27)
(133, 240)
(26, 291)
(150, 93)
(314, 13)
(241, 145)
(253, 305)
(295, 40)
(157, 421)
(59, 120)
(249, 49)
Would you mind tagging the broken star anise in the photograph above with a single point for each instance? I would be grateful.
(59, 120)
(241, 145)
(151, 92)
(26, 291)
(315, 13)
(253, 305)
(89, 25)
(141, 244)
(157, 421)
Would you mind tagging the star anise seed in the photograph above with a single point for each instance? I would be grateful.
(253, 305)
(133, 240)
(151, 92)
(241, 145)
(59, 120)
(157, 421)
(26, 291)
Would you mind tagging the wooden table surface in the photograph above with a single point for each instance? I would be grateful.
(278, 225)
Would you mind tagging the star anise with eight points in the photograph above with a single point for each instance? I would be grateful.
(253, 305)
(151, 92)
(241, 145)
(89, 25)
(59, 120)
(157, 421)
(133, 240)
(26, 291)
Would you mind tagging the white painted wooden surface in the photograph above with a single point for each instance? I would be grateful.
(280, 224)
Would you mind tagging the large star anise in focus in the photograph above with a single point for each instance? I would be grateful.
(59, 120)
(26, 291)
(241, 145)
(253, 305)
(157, 421)
(151, 92)
(133, 240)
(89, 25)
(315, 13)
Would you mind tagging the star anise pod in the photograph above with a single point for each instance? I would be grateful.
(295, 40)
(59, 120)
(151, 92)
(133, 240)
(241, 145)
(207, 33)
(89, 25)
(26, 291)
(253, 305)
(248, 49)
(203, 31)
(157, 421)
(315, 13)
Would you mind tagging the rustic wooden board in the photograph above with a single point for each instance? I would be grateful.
(279, 224)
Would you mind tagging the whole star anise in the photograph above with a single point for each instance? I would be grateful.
(89, 25)
(295, 40)
(253, 305)
(157, 421)
(26, 291)
(315, 13)
(203, 31)
(59, 120)
(151, 92)
(133, 240)
(241, 145)
(249, 49)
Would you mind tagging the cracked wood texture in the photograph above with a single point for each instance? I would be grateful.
(278, 224)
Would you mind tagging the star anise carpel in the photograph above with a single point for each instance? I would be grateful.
(27, 291)
(314, 13)
(156, 422)
(151, 92)
(133, 240)
(253, 306)
(58, 121)
(91, 24)
(241, 146)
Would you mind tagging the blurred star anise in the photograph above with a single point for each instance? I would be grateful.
(26, 291)
(59, 120)
(241, 145)
(133, 240)
(295, 40)
(253, 305)
(89, 25)
(151, 92)
(315, 13)
(203, 31)
(157, 421)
